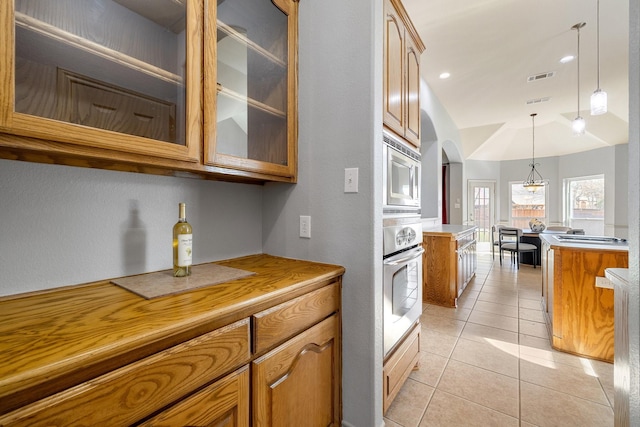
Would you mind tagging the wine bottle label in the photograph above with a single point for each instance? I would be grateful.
(184, 249)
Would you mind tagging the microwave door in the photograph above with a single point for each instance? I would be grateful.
(402, 182)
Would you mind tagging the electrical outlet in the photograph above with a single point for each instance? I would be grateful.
(351, 180)
(305, 226)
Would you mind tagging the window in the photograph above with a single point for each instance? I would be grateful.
(584, 204)
(526, 205)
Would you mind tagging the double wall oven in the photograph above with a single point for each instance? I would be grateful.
(402, 241)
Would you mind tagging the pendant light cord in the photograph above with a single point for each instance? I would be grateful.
(578, 70)
(533, 139)
(598, 40)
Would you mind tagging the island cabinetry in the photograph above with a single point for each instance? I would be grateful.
(449, 263)
(186, 86)
(105, 356)
(580, 314)
(402, 49)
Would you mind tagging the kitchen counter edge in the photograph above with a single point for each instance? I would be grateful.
(51, 335)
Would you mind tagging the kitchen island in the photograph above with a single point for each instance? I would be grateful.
(577, 302)
(98, 354)
(449, 262)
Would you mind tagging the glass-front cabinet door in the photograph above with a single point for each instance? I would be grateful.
(121, 75)
(250, 85)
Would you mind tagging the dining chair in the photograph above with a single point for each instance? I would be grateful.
(494, 240)
(509, 240)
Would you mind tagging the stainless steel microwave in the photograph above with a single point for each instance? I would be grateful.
(401, 177)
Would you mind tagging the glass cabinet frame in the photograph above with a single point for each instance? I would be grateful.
(85, 137)
(213, 154)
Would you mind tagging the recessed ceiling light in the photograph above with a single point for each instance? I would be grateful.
(445, 75)
(567, 59)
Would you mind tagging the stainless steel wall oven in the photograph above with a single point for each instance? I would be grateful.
(402, 264)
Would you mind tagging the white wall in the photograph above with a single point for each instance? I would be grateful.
(63, 225)
(438, 133)
(340, 126)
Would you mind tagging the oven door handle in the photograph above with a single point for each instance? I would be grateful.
(404, 257)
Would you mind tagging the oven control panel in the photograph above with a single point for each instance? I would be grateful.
(399, 234)
(405, 237)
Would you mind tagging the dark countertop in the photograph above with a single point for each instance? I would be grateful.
(552, 240)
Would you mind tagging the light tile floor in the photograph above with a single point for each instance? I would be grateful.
(489, 362)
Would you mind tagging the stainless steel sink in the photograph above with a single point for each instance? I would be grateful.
(600, 240)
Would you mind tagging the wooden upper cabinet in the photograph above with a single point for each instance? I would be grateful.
(402, 49)
(107, 74)
(251, 86)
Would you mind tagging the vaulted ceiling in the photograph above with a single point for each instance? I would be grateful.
(491, 47)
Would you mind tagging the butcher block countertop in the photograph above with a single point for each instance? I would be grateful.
(55, 339)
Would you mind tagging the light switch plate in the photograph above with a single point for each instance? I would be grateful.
(351, 180)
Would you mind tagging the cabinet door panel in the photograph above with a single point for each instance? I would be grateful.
(225, 403)
(250, 91)
(298, 383)
(126, 395)
(109, 74)
(393, 71)
(412, 119)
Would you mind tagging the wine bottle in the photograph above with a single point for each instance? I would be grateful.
(182, 244)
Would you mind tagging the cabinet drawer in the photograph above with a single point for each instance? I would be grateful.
(132, 392)
(223, 403)
(399, 366)
(283, 321)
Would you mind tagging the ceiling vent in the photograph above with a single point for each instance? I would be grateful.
(541, 76)
(538, 100)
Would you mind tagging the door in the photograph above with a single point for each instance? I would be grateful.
(298, 383)
(481, 210)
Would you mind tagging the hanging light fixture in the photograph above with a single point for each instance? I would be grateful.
(578, 124)
(599, 97)
(534, 181)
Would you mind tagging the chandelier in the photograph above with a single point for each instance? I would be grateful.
(534, 181)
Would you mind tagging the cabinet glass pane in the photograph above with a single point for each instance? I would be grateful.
(252, 80)
(117, 65)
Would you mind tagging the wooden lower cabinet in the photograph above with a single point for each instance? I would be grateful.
(580, 314)
(295, 384)
(399, 365)
(278, 365)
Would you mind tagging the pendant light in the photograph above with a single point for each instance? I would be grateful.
(534, 181)
(578, 124)
(599, 97)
